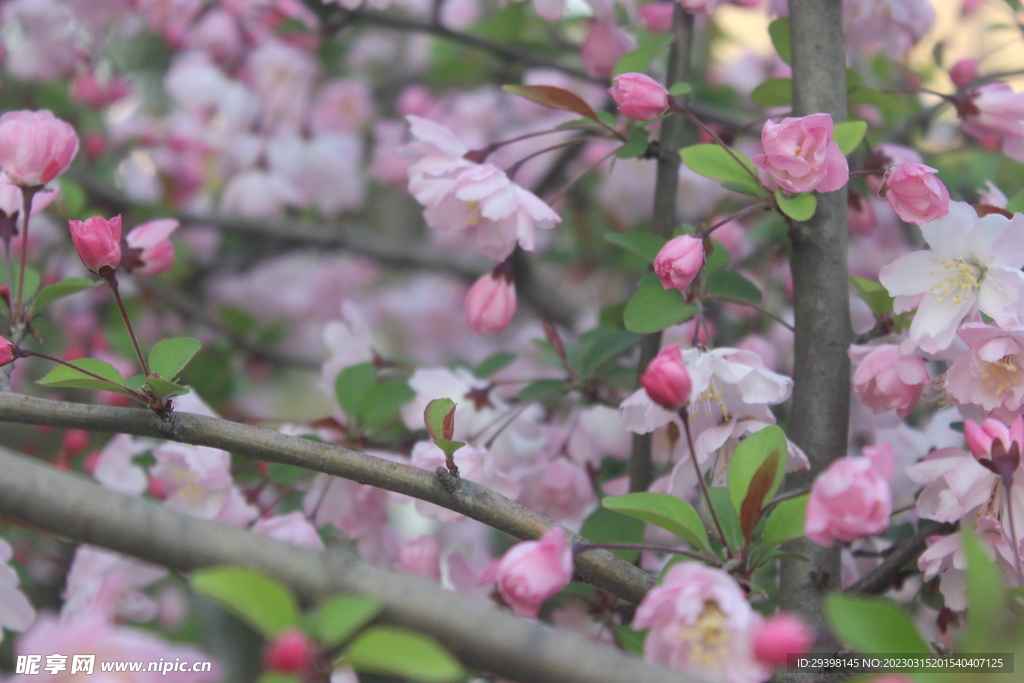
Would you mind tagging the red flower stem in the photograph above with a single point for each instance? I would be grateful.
(27, 193)
(25, 353)
(739, 214)
(514, 168)
(111, 279)
(584, 547)
(684, 413)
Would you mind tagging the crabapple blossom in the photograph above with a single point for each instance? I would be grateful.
(996, 447)
(657, 16)
(852, 497)
(914, 193)
(290, 528)
(98, 242)
(290, 652)
(6, 352)
(800, 154)
(605, 43)
(994, 113)
(974, 265)
(491, 302)
(107, 581)
(421, 557)
(531, 572)
(782, 635)
(149, 251)
(887, 380)
(35, 146)
(890, 27)
(945, 557)
(991, 372)
(679, 261)
(16, 612)
(699, 621)
(666, 380)
(964, 72)
(639, 96)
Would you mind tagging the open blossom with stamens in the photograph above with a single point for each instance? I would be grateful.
(887, 380)
(994, 113)
(701, 622)
(459, 194)
(991, 372)
(974, 264)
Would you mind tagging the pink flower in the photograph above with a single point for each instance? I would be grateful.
(6, 352)
(992, 113)
(291, 652)
(700, 622)
(679, 261)
(342, 104)
(639, 96)
(666, 380)
(16, 612)
(421, 557)
(964, 72)
(991, 372)
(605, 43)
(149, 251)
(891, 27)
(996, 446)
(801, 156)
(531, 572)
(657, 17)
(887, 380)
(705, 7)
(915, 193)
(98, 242)
(491, 302)
(782, 635)
(35, 146)
(290, 528)
(852, 498)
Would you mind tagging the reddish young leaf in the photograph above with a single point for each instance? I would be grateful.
(554, 98)
(760, 485)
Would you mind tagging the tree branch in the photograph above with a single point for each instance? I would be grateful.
(663, 221)
(821, 380)
(476, 631)
(879, 579)
(600, 568)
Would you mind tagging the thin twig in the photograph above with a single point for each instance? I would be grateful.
(741, 302)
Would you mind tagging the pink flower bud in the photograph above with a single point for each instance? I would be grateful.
(531, 572)
(491, 302)
(74, 442)
(35, 146)
(852, 497)
(887, 380)
(679, 261)
(657, 16)
(780, 636)
(98, 242)
(800, 155)
(605, 43)
(964, 72)
(639, 96)
(290, 652)
(149, 251)
(666, 379)
(6, 351)
(706, 7)
(914, 193)
(996, 446)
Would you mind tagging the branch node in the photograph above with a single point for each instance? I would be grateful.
(449, 481)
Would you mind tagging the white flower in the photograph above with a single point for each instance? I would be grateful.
(974, 265)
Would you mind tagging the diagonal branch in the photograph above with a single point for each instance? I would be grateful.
(600, 568)
(879, 579)
(474, 630)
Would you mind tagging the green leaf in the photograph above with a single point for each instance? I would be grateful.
(278, 677)
(493, 364)
(553, 98)
(340, 617)
(600, 345)
(785, 522)
(717, 258)
(736, 187)
(543, 389)
(31, 281)
(665, 511)
(714, 162)
(849, 134)
(885, 102)
(397, 652)
(763, 485)
(987, 612)
(643, 244)
(170, 356)
(873, 625)
(439, 418)
(853, 79)
(779, 32)
(287, 475)
(799, 207)
(351, 385)
(63, 376)
(261, 601)
(752, 452)
(775, 92)
(653, 309)
(732, 284)
(679, 89)
(635, 146)
(630, 640)
(874, 295)
(719, 496)
(607, 119)
(165, 388)
(605, 526)
(649, 46)
(58, 290)
(237, 320)
(382, 402)
(1016, 204)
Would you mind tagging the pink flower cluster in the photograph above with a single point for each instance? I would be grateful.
(800, 154)
(852, 497)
